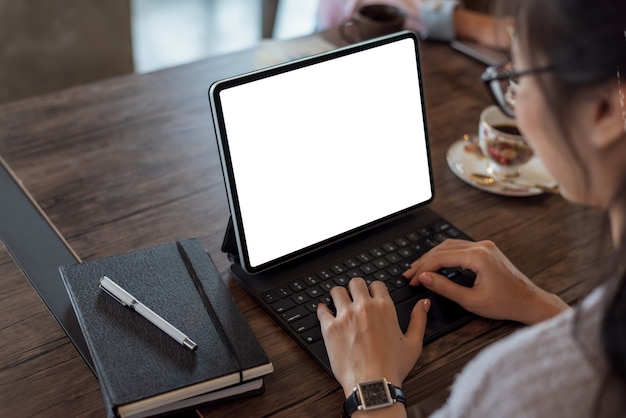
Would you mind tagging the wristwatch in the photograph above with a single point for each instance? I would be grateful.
(372, 394)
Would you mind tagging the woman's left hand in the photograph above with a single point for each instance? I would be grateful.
(364, 340)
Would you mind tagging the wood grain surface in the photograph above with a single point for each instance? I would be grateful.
(132, 162)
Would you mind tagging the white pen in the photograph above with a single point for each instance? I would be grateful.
(126, 299)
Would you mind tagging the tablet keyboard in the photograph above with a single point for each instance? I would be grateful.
(295, 303)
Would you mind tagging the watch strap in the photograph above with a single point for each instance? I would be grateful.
(397, 394)
(350, 405)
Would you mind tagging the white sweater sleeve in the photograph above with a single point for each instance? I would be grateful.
(540, 371)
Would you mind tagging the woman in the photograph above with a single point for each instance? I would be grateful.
(570, 62)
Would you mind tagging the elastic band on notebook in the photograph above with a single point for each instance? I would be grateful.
(209, 308)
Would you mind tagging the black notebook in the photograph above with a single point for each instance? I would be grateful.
(143, 371)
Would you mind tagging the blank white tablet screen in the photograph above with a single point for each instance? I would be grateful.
(321, 150)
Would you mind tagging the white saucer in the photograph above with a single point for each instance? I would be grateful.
(463, 162)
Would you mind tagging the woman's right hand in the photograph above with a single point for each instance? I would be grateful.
(500, 290)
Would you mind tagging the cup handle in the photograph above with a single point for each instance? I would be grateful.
(344, 34)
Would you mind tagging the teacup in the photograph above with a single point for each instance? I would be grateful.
(374, 20)
(502, 143)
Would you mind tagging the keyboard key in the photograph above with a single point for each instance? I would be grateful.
(270, 297)
(441, 237)
(440, 226)
(381, 275)
(355, 273)
(338, 269)
(327, 300)
(325, 274)
(394, 271)
(368, 268)
(312, 280)
(342, 280)
(294, 314)
(402, 242)
(401, 294)
(408, 292)
(297, 286)
(328, 285)
(465, 278)
(305, 323)
(450, 273)
(389, 247)
(393, 257)
(399, 282)
(364, 258)
(453, 232)
(311, 305)
(283, 292)
(425, 232)
(351, 263)
(300, 298)
(314, 292)
(312, 335)
(381, 263)
(420, 247)
(413, 236)
(406, 252)
(405, 265)
(430, 243)
(283, 305)
(377, 252)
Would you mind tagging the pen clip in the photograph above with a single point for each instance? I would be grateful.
(108, 292)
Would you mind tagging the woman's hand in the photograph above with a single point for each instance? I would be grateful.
(364, 340)
(500, 291)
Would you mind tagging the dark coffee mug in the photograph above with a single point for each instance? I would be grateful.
(373, 20)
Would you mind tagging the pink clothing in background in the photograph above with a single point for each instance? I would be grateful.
(333, 12)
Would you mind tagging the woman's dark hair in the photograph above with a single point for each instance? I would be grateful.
(585, 44)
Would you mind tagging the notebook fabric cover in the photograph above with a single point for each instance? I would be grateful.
(134, 359)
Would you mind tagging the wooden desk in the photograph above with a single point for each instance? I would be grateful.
(132, 162)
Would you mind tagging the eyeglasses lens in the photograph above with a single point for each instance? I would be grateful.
(505, 89)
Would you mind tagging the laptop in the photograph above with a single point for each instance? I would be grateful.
(328, 176)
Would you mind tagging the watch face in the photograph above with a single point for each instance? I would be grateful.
(374, 394)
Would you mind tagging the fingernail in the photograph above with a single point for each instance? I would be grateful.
(426, 279)
(426, 304)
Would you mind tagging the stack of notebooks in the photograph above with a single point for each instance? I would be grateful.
(143, 371)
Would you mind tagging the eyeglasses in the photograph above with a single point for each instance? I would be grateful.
(502, 83)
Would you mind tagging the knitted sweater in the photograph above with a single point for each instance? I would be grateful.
(540, 371)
